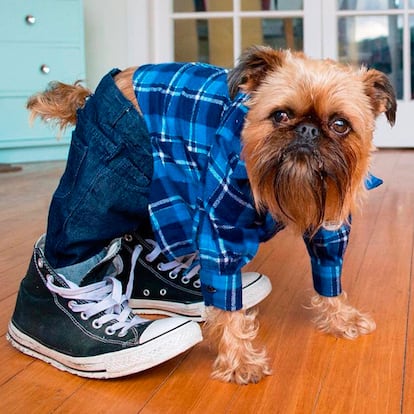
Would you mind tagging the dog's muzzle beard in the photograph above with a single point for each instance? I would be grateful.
(305, 184)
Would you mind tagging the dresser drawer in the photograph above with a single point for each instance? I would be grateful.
(21, 69)
(41, 21)
(15, 124)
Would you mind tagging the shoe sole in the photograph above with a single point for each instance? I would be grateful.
(253, 293)
(115, 364)
(194, 311)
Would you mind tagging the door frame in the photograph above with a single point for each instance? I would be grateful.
(320, 41)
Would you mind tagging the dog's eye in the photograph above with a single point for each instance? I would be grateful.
(280, 116)
(340, 126)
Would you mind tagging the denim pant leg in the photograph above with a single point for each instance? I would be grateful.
(103, 192)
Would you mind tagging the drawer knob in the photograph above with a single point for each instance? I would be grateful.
(30, 19)
(45, 69)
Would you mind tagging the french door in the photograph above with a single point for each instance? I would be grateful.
(377, 33)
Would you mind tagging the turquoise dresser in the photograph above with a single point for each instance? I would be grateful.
(40, 41)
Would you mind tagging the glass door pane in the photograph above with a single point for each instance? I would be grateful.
(378, 34)
(204, 40)
(369, 4)
(273, 5)
(283, 32)
(216, 31)
(373, 41)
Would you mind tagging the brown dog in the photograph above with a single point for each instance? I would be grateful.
(307, 140)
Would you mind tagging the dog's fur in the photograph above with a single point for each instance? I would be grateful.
(307, 142)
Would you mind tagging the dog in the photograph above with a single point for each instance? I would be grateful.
(306, 142)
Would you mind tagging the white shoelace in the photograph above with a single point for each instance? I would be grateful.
(104, 298)
(175, 266)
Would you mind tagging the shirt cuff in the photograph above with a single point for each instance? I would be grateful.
(372, 182)
(327, 279)
(222, 291)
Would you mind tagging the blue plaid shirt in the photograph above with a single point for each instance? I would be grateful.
(200, 197)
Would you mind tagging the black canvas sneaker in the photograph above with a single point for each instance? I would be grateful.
(90, 330)
(173, 287)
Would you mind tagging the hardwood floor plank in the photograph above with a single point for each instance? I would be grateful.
(11, 363)
(408, 386)
(374, 365)
(408, 369)
(123, 395)
(38, 388)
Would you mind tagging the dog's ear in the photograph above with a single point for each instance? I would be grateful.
(382, 95)
(254, 63)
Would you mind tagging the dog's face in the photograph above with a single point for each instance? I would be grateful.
(308, 133)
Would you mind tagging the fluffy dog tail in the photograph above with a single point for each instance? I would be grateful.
(58, 103)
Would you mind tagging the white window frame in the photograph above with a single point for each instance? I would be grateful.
(162, 19)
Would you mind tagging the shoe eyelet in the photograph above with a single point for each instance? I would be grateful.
(109, 330)
(128, 237)
(96, 324)
(197, 284)
(163, 292)
(70, 304)
(146, 292)
(185, 280)
(84, 316)
(172, 275)
(160, 267)
(40, 262)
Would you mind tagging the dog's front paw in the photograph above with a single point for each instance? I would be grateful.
(233, 334)
(231, 366)
(336, 317)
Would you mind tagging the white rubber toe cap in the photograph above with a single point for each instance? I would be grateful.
(171, 326)
(256, 287)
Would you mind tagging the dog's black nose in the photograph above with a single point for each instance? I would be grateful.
(307, 131)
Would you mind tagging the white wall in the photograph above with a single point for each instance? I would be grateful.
(116, 35)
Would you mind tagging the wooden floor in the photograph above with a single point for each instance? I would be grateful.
(313, 373)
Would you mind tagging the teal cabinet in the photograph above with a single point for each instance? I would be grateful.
(40, 41)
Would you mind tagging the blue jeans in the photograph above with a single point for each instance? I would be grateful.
(103, 192)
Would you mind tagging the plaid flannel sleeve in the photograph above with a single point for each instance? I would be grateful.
(326, 250)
